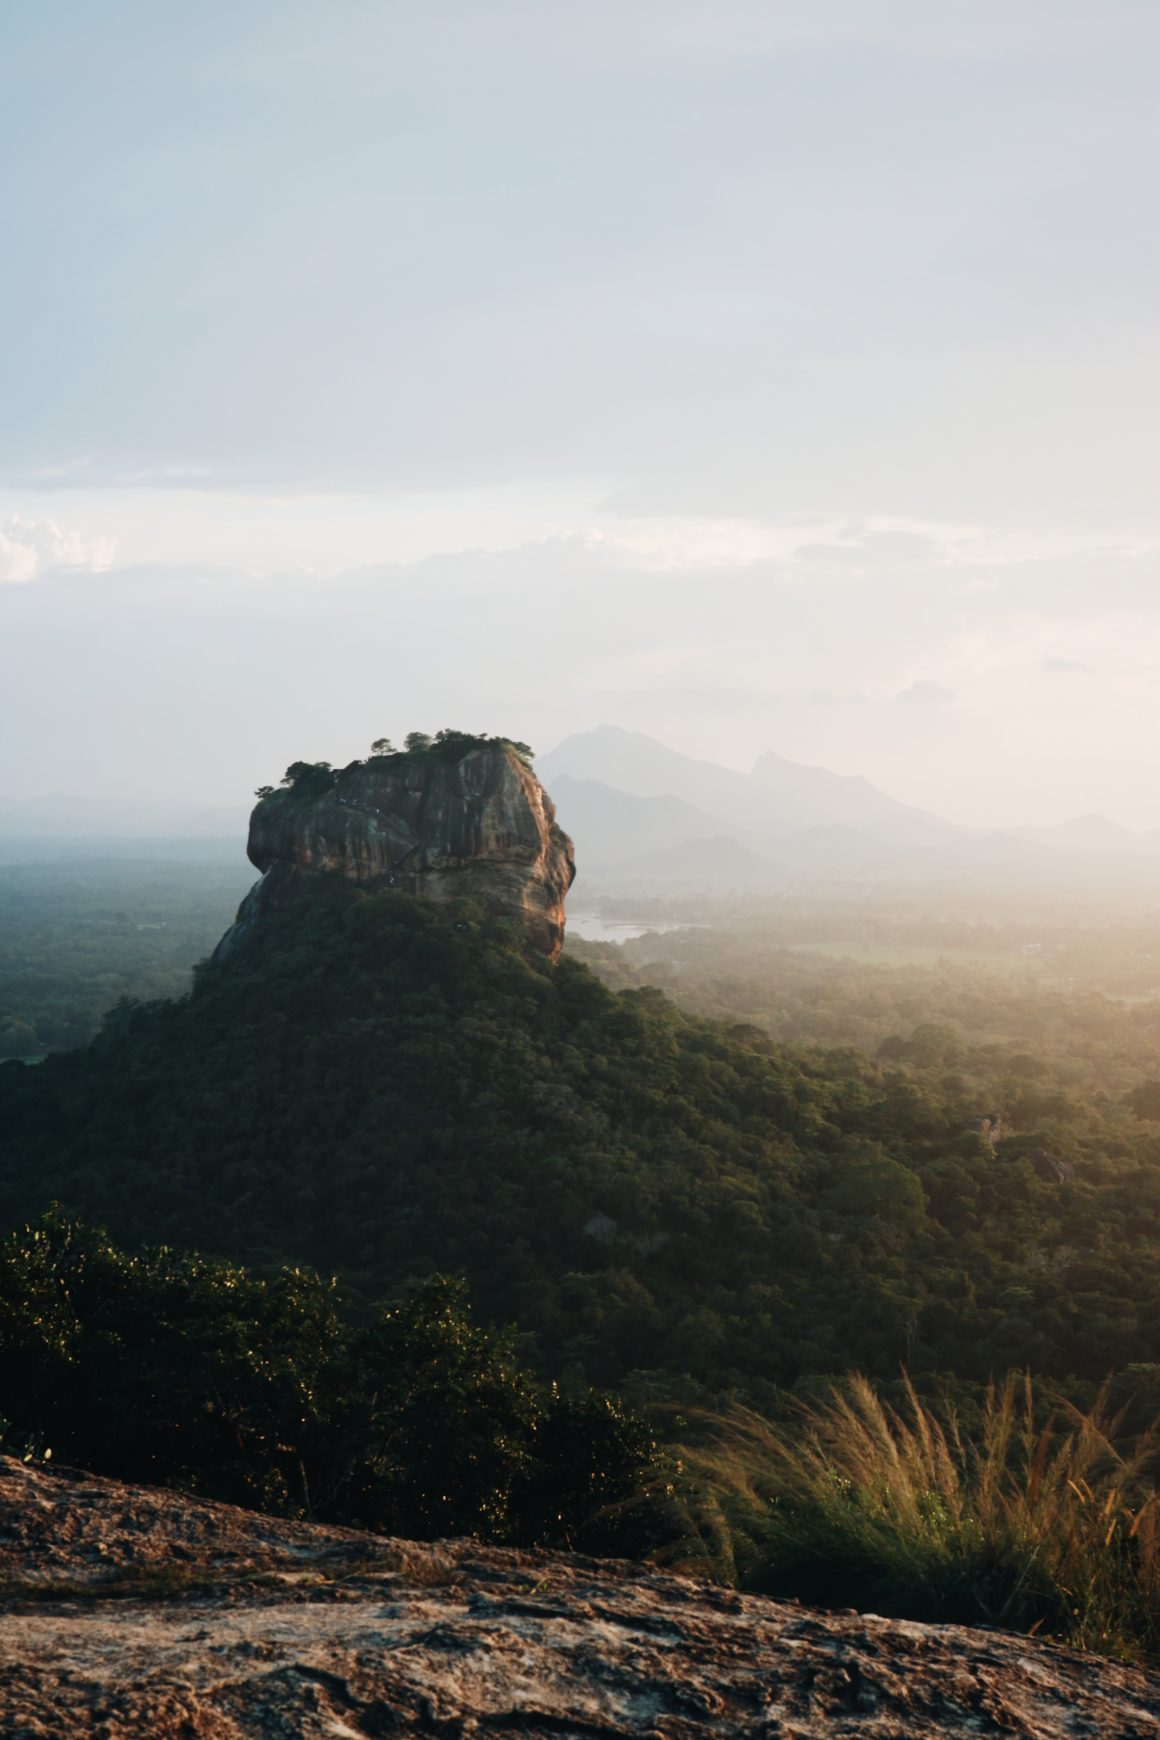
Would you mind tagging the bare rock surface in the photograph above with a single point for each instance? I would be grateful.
(135, 1612)
(480, 826)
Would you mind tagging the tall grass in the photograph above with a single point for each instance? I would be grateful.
(1042, 1525)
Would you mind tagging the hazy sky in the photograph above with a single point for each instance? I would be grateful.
(763, 376)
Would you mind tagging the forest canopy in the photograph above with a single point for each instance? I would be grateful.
(668, 1203)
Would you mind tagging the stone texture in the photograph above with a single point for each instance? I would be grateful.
(301, 1631)
(481, 827)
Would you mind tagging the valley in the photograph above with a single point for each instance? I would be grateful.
(759, 1141)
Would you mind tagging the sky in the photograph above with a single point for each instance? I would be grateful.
(760, 376)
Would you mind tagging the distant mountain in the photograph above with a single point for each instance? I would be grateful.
(828, 799)
(642, 813)
(1086, 834)
(849, 851)
(628, 761)
(611, 827)
(716, 863)
(778, 797)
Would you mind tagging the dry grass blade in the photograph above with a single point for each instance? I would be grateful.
(1042, 1519)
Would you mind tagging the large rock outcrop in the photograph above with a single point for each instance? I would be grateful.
(135, 1614)
(437, 824)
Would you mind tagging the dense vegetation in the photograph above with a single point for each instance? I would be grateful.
(314, 778)
(1034, 1515)
(1040, 979)
(78, 935)
(172, 1369)
(730, 1192)
(670, 1204)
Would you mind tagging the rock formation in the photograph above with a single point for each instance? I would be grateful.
(435, 823)
(135, 1614)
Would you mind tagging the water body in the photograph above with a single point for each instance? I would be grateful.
(593, 928)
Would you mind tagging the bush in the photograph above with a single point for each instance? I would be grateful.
(1038, 1524)
(181, 1371)
(307, 779)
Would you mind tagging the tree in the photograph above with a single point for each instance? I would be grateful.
(445, 1417)
(382, 746)
(187, 1371)
(308, 773)
(1145, 1099)
(868, 1186)
(415, 742)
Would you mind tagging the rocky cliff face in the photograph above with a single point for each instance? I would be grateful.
(135, 1614)
(440, 826)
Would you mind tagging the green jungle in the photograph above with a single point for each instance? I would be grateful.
(587, 1255)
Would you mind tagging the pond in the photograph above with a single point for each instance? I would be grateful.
(594, 928)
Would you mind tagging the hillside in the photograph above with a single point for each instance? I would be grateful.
(384, 1073)
(144, 1615)
(388, 1087)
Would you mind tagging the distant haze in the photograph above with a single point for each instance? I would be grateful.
(764, 377)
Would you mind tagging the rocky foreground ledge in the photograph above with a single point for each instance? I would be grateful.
(134, 1612)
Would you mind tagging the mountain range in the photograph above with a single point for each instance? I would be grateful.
(637, 809)
(644, 814)
(777, 797)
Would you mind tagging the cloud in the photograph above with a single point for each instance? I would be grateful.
(542, 297)
(550, 637)
(1055, 667)
(30, 548)
(926, 695)
(890, 545)
(666, 540)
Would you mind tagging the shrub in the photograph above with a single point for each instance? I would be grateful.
(1038, 1520)
(193, 1373)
